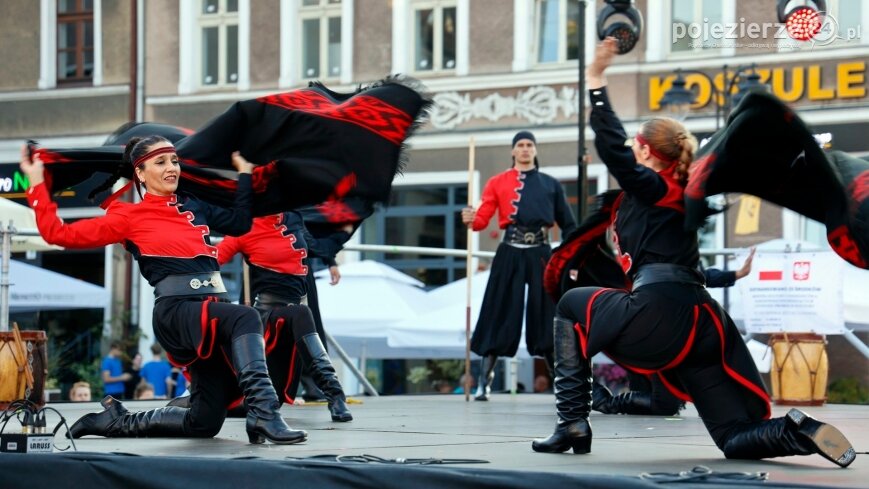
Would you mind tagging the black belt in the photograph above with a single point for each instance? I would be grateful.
(654, 273)
(201, 284)
(528, 236)
(265, 299)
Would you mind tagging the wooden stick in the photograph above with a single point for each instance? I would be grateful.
(245, 271)
(469, 273)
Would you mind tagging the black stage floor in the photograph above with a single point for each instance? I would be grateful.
(437, 427)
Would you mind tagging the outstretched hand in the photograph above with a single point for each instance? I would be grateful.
(746, 266)
(241, 165)
(32, 167)
(604, 54)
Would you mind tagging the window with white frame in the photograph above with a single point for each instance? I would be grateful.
(75, 41)
(434, 35)
(218, 42)
(320, 38)
(688, 18)
(556, 29)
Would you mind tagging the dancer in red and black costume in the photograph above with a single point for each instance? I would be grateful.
(667, 323)
(221, 344)
(528, 203)
(276, 249)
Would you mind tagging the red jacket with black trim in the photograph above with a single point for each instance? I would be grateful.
(166, 235)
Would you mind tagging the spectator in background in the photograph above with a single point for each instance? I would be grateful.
(158, 373)
(144, 391)
(80, 392)
(541, 384)
(134, 370)
(113, 374)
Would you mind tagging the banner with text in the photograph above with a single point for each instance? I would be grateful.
(794, 293)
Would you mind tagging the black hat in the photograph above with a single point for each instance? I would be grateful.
(524, 135)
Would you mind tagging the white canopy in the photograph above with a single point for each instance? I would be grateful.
(22, 217)
(36, 289)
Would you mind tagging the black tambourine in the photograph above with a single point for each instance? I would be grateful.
(626, 33)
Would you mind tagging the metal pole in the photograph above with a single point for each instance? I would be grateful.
(356, 372)
(4, 276)
(581, 178)
(854, 340)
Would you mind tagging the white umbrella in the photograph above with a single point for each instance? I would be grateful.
(37, 289)
(22, 217)
(369, 296)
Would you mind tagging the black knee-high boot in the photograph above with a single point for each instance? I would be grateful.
(549, 358)
(796, 433)
(314, 357)
(117, 422)
(487, 376)
(632, 402)
(263, 416)
(572, 395)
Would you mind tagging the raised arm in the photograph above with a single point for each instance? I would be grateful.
(87, 233)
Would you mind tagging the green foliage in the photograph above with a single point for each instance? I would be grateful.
(847, 390)
(418, 375)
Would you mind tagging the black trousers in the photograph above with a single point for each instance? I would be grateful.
(197, 332)
(499, 327)
(679, 333)
(283, 326)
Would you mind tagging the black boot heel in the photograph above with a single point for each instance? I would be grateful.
(274, 430)
(576, 436)
(323, 373)
(826, 439)
(98, 423)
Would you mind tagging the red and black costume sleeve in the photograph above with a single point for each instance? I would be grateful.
(166, 235)
(767, 151)
(311, 145)
(276, 252)
(649, 219)
(529, 199)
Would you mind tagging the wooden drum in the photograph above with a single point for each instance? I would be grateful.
(23, 366)
(799, 369)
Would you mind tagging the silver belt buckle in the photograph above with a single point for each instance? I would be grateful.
(195, 283)
(530, 238)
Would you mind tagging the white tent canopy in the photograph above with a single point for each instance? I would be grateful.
(21, 217)
(36, 289)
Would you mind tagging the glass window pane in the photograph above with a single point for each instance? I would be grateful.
(572, 30)
(712, 12)
(209, 55)
(418, 196)
(65, 65)
(231, 54)
(66, 35)
(849, 16)
(311, 48)
(88, 34)
(88, 5)
(426, 231)
(334, 1)
(682, 13)
(334, 46)
(310, 3)
(547, 40)
(210, 6)
(88, 63)
(65, 6)
(449, 39)
(232, 5)
(424, 40)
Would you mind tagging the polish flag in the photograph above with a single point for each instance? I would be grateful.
(771, 275)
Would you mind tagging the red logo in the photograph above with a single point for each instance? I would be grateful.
(802, 269)
(770, 275)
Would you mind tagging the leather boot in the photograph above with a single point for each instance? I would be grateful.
(315, 358)
(796, 433)
(549, 358)
(632, 402)
(117, 422)
(572, 395)
(180, 401)
(487, 376)
(263, 407)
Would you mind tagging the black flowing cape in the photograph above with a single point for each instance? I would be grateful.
(767, 151)
(312, 147)
(585, 250)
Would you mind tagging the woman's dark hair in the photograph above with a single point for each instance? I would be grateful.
(134, 149)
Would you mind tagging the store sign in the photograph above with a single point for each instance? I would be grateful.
(813, 83)
(794, 293)
(14, 184)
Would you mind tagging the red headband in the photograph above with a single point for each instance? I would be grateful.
(150, 154)
(643, 142)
